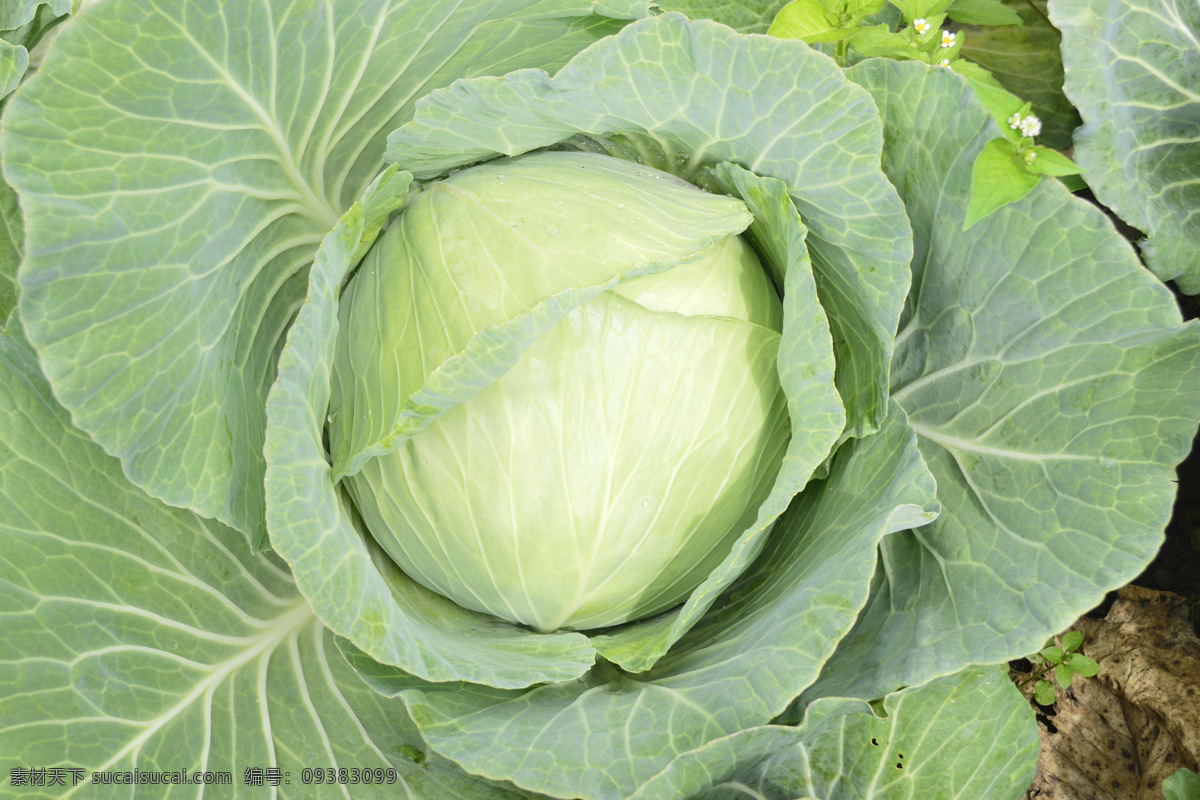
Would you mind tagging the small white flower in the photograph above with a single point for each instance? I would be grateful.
(1031, 126)
(1030, 156)
(948, 38)
(945, 63)
(1014, 121)
(920, 25)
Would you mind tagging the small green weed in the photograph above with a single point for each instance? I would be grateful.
(1061, 661)
(1183, 784)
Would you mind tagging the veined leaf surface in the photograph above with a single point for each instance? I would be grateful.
(144, 637)
(1132, 72)
(1053, 388)
(179, 164)
(928, 745)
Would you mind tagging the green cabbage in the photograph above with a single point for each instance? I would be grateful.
(338, 456)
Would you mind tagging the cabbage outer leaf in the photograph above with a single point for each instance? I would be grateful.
(744, 16)
(144, 637)
(1053, 389)
(179, 163)
(1132, 72)
(15, 33)
(964, 736)
(12, 244)
(16, 14)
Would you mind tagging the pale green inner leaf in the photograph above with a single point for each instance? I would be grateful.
(483, 263)
(820, 138)
(335, 568)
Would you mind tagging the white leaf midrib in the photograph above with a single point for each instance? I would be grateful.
(283, 626)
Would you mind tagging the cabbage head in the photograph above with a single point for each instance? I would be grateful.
(543, 398)
(610, 469)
